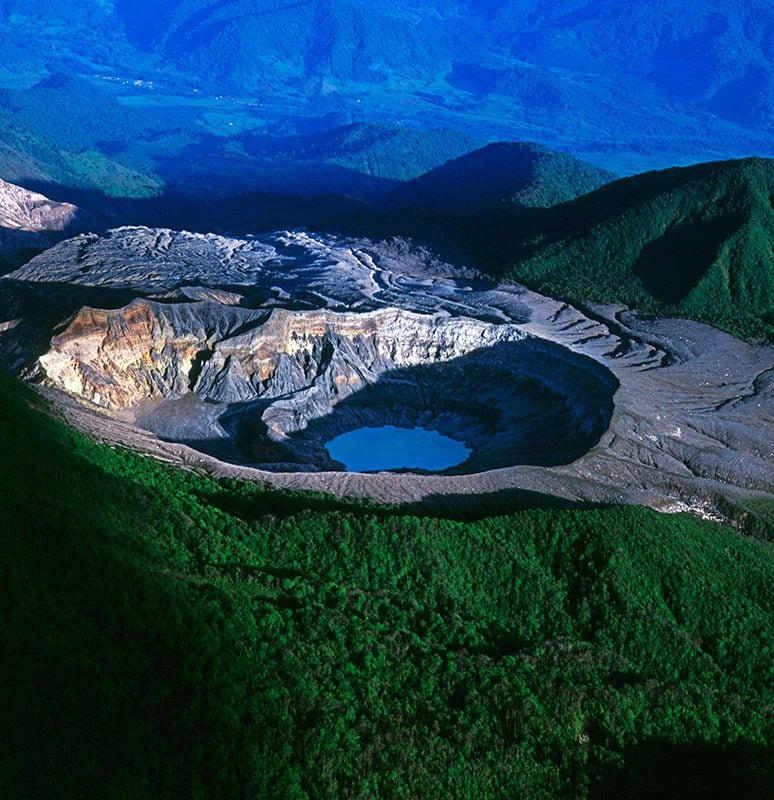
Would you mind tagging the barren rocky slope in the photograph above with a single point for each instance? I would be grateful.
(30, 221)
(243, 355)
(23, 210)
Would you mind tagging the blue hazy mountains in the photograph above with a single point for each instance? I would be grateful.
(626, 85)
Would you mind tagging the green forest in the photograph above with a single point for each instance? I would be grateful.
(688, 242)
(168, 635)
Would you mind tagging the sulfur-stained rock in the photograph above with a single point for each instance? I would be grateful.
(258, 351)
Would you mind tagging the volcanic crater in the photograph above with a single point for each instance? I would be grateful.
(271, 388)
(246, 357)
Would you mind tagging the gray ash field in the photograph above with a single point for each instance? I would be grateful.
(245, 356)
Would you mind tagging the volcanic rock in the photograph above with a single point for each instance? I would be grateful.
(30, 222)
(259, 351)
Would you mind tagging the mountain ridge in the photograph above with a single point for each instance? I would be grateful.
(627, 87)
(689, 241)
(522, 174)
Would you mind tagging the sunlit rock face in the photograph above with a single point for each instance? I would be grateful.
(250, 355)
(30, 222)
(231, 355)
(22, 210)
(288, 381)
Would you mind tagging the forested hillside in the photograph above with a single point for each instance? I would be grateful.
(169, 636)
(518, 174)
(694, 242)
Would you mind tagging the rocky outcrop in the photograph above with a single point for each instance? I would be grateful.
(259, 351)
(152, 260)
(117, 358)
(30, 222)
(229, 355)
(22, 210)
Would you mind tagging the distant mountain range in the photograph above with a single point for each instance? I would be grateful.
(213, 113)
(626, 85)
(716, 56)
(359, 160)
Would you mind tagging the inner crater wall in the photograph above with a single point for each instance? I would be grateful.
(277, 385)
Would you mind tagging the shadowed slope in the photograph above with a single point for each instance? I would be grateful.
(693, 242)
(515, 173)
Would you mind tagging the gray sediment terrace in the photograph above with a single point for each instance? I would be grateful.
(243, 357)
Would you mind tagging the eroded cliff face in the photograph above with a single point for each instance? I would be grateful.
(118, 358)
(288, 381)
(259, 351)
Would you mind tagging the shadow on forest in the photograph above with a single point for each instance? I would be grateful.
(659, 770)
(459, 507)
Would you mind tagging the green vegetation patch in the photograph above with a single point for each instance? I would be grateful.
(520, 174)
(166, 635)
(694, 242)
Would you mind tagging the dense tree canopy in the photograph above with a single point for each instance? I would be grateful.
(166, 636)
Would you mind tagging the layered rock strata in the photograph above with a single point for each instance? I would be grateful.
(259, 350)
(287, 382)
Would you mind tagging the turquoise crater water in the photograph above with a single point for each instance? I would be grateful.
(390, 448)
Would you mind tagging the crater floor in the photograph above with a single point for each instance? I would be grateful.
(247, 356)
